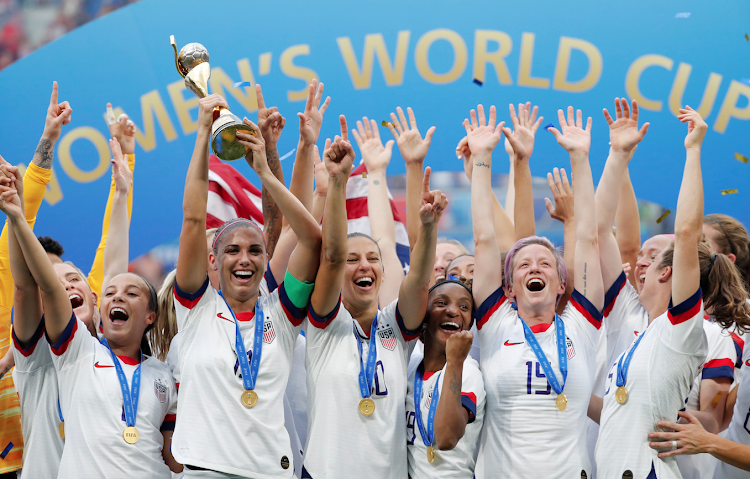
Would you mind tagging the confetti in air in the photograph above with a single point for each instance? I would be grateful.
(478, 82)
(385, 123)
(729, 192)
(741, 158)
(747, 38)
(682, 15)
(662, 217)
(288, 154)
(241, 83)
(551, 125)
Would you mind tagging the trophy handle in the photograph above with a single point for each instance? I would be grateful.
(176, 54)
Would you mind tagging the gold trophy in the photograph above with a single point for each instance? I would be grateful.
(192, 65)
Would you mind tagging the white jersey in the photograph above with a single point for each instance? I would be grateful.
(216, 431)
(662, 370)
(341, 442)
(739, 429)
(36, 383)
(459, 461)
(92, 405)
(631, 319)
(522, 423)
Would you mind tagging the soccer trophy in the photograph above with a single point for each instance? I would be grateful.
(192, 65)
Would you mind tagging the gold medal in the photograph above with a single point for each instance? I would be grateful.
(562, 402)
(249, 398)
(130, 434)
(430, 454)
(621, 395)
(367, 406)
(61, 430)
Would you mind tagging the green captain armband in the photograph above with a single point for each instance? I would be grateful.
(299, 292)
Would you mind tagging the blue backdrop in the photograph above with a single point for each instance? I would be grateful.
(373, 57)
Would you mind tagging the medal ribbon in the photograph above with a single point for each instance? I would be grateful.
(366, 376)
(130, 401)
(249, 370)
(562, 354)
(623, 367)
(59, 411)
(428, 438)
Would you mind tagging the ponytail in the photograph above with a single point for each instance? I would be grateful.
(165, 327)
(732, 238)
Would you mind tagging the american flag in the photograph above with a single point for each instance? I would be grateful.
(387, 338)
(571, 349)
(359, 221)
(268, 332)
(230, 195)
(161, 391)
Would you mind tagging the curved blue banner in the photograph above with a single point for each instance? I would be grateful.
(440, 58)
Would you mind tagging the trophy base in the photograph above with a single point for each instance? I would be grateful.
(224, 136)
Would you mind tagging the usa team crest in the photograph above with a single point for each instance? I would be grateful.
(387, 338)
(160, 390)
(268, 333)
(570, 348)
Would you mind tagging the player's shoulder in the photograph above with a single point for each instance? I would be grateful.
(155, 365)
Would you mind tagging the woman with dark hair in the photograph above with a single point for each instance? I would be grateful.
(729, 237)
(447, 386)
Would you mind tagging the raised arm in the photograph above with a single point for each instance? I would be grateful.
(416, 284)
(624, 137)
(482, 139)
(376, 158)
(117, 249)
(577, 141)
(54, 297)
(504, 231)
(123, 130)
(413, 150)
(628, 222)
(192, 259)
(521, 139)
(321, 184)
(303, 264)
(510, 193)
(562, 211)
(270, 123)
(451, 417)
(688, 220)
(338, 159)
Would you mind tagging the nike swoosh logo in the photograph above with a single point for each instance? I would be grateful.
(225, 319)
(747, 363)
(507, 343)
(97, 365)
(636, 333)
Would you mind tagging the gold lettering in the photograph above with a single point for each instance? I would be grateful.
(678, 90)
(393, 73)
(524, 65)
(293, 71)
(220, 80)
(460, 56)
(633, 78)
(729, 106)
(592, 76)
(66, 160)
(152, 105)
(183, 105)
(497, 58)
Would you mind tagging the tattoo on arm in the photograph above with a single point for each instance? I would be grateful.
(482, 164)
(375, 182)
(271, 213)
(455, 387)
(585, 267)
(44, 154)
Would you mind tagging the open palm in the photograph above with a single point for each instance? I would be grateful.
(375, 155)
(624, 134)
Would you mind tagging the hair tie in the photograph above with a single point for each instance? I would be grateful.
(713, 259)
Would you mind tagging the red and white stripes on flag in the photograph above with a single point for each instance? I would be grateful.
(359, 220)
(230, 195)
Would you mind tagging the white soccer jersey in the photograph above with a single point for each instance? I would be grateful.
(341, 442)
(459, 461)
(662, 370)
(92, 405)
(739, 428)
(522, 423)
(216, 431)
(36, 383)
(622, 302)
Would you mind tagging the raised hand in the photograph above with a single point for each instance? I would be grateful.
(58, 114)
(464, 153)
(574, 138)
(521, 139)
(562, 210)
(321, 173)
(312, 119)
(339, 155)
(256, 149)
(270, 120)
(696, 127)
(410, 143)
(483, 136)
(375, 155)
(123, 129)
(206, 110)
(624, 134)
(120, 169)
(10, 197)
(458, 346)
(432, 203)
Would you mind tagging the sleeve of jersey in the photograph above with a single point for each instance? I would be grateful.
(472, 390)
(294, 314)
(27, 348)
(721, 358)
(739, 347)
(584, 307)
(185, 302)
(686, 318)
(490, 305)
(611, 296)
(322, 322)
(69, 346)
(270, 280)
(171, 416)
(408, 334)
